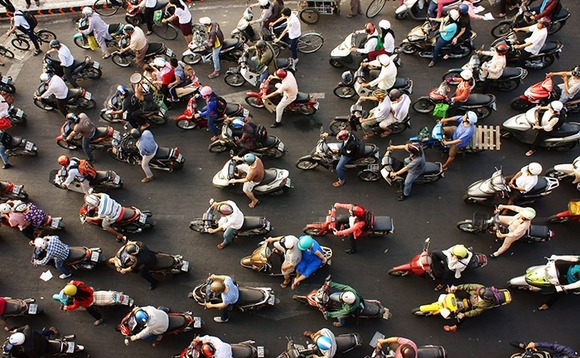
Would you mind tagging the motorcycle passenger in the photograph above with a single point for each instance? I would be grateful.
(214, 42)
(400, 104)
(81, 296)
(265, 16)
(28, 217)
(414, 167)
(228, 289)
(147, 149)
(98, 28)
(458, 135)
(350, 148)
(403, 347)
(325, 342)
(462, 92)
(386, 41)
(55, 250)
(481, 299)
(349, 299)
(288, 247)
(571, 86)
(26, 343)
(312, 259)
(493, 69)
(293, 30)
(253, 177)
(387, 76)
(72, 173)
(179, 81)
(453, 260)
(464, 31)
(547, 9)
(371, 42)
(232, 219)
(131, 105)
(357, 224)
(19, 22)
(141, 259)
(264, 61)
(66, 60)
(209, 347)
(288, 88)
(517, 226)
(377, 115)
(523, 181)
(138, 43)
(86, 128)
(447, 31)
(56, 87)
(249, 139)
(550, 121)
(556, 350)
(107, 210)
(533, 44)
(165, 76)
(182, 14)
(155, 322)
(210, 111)
(570, 281)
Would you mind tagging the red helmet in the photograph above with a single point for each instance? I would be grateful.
(343, 135)
(358, 211)
(208, 349)
(502, 49)
(281, 73)
(63, 160)
(369, 28)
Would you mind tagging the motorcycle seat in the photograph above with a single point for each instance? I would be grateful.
(101, 132)
(77, 65)
(562, 14)
(251, 222)
(346, 342)
(400, 82)
(230, 43)
(176, 322)
(73, 93)
(114, 28)
(566, 129)
(539, 231)
(510, 72)
(302, 97)
(249, 295)
(369, 149)
(76, 253)
(128, 213)
(282, 62)
(383, 223)
(549, 46)
(163, 261)
(240, 350)
(14, 141)
(432, 168)
(154, 47)
(269, 176)
(12, 307)
(478, 98)
(370, 309)
(232, 108)
(162, 153)
(101, 176)
(431, 352)
(540, 186)
(269, 141)
(160, 5)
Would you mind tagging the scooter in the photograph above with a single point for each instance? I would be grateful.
(261, 260)
(7, 84)
(305, 103)
(344, 343)
(417, 9)
(11, 191)
(76, 99)
(343, 56)
(101, 299)
(16, 115)
(165, 264)
(86, 69)
(434, 139)
(573, 213)
(524, 17)
(16, 146)
(132, 220)
(326, 155)
(428, 351)
(566, 172)
(271, 146)
(481, 104)
(135, 15)
(484, 223)
(545, 58)
(250, 298)
(420, 40)
(187, 120)
(244, 30)
(546, 279)
(543, 93)
(521, 127)
(125, 150)
(105, 180)
(101, 139)
(448, 305)
(321, 300)
(276, 181)
(82, 40)
(125, 59)
(54, 347)
(487, 191)
(152, 113)
(245, 349)
(353, 123)
(79, 257)
(237, 76)
(432, 173)
(510, 79)
(378, 226)
(15, 307)
(351, 85)
(198, 50)
(253, 225)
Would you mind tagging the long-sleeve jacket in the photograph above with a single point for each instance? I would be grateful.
(157, 324)
(83, 298)
(549, 10)
(477, 308)
(495, 65)
(346, 309)
(558, 350)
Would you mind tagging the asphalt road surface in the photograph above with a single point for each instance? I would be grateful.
(176, 198)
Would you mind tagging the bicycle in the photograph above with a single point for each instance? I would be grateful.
(309, 42)
(22, 42)
(108, 7)
(375, 7)
(4, 52)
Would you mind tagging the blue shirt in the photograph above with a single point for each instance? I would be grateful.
(231, 295)
(463, 132)
(211, 108)
(448, 31)
(55, 249)
(147, 144)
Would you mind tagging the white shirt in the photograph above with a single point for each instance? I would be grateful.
(235, 220)
(72, 174)
(157, 323)
(370, 44)
(222, 349)
(400, 108)
(57, 87)
(526, 180)
(455, 264)
(495, 66)
(291, 256)
(183, 15)
(386, 78)
(549, 120)
(537, 38)
(382, 111)
(573, 87)
(65, 56)
(148, 3)
(293, 25)
(19, 20)
(389, 43)
(4, 107)
(288, 86)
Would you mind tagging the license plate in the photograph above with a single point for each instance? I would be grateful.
(196, 322)
(17, 189)
(54, 223)
(5, 79)
(272, 300)
(288, 183)
(142, 218)
(185, 266)
(88, 95)
(117, 180)
(246, 112)
(29, 146)
(123, 299)
(117, 135)
(32, 308)
(96, 65)
(281, 146)
(169, 52)
(261, 352)
(180, 157)
(70, 347)
(19, 113)
(95, 256)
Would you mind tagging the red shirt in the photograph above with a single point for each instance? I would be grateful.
(84, 296)
(168, 77)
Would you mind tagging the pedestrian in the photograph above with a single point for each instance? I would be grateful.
(517, 226)
(287, 246)
(183, 17)
(447, 31)
(226, 287)
(294, 31)
(288, 88)
(56, 87)
(81, 296)
(142, 260)
(355, 9)
(66, 60)
(214, 42)
(458, 135)
(148, 8)
(4, 138)
(55, 250)
(19, 22)
(147, 149)
(255, 174)
(138, 43)
(86, 128)
(99, 29)
(549, 122)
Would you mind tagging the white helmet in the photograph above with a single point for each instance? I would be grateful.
(466, 75)
(385, 60)
(93, 200)
(44, 77)
(556, 105)
(159, 62)
(348, 297)
(471, 117)
(5, 208)
(263, 2)
(454, 14)
(17, 338)
(87, 11)
(528, 213)
(205, 20)
(535, 168)
(40, 243)
(19, 206)
(385, 24)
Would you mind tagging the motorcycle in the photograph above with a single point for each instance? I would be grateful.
(253, 225)
(135, 15)
(271, 146)
(19, 146)
(105, 180)
(573, 213)
(420, 40)
(428, 351)
(261, 259)
(82, 40)
(448, 304)
(15, 307)
(545, 58)
(326, 155)
(245, 349)
(101, 299)
(422, 264)
(101, 139)
(76, 99)
(417, 9)
(543, 93)
(244, 30)
(524, 17)
(132, 220)
(521, 127)
(79, 257)
(237, 76)
(187, 120)
(125, 150)
(378, 226)
(198, 50)
(353, 123)
(16, 115)
(80, 69)
(276, 181)
(486, 191)
(152, 112)
(484, 223)
(343, 56)
(351, 85)
(54, 347)
(11, 191)
(510, 79)
(481, 104)
(432, 173)
(344, 343)
(434, 138)
(321, 300)
(305, 103)
(566, 172)
(154, 49)
(546, 279)
(250, 298)
(165, 264)
(532, 353)
(7, 84)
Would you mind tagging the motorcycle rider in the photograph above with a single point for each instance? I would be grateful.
(550, 121)
(138, 43)
(249, 139)
(264, 60)
(350, 302)
(447, 31)
(403, 347)
(517, 225)
(209, 347)
(253, 177)
(386, 39)
(357, 224)
(19, 22)
(215, 42)
(523, 181)
(453, 260)
(55, 250)
(400, 105)
(28, 217)
(371, 42)
(460, 134)
(107, 210)
(26, 343)
(147, 149)
(288, 88)
(556, 350)
(210, 111)
(414, 167)
(71, 166)
(387, 76)
(481, 299)
(141, 259)
(98, 28)
(81, 296)
(56, 87)
(377, 115)
(533, 44)
(265, 16)
(350, 148)
(547, 9)
(288, 247)
(228, 289)
(66, 60)
(493, 69)
(131, 104)
(464, 31)
(232, 219)
(312, 259)
(571, 86)
(325, 341)
(568, 282)
(86, 128)
(462, 92)
(155, 322)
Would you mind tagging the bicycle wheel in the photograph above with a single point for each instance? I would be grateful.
(165, 31)
(21, 43)
(4, 52)
(375, 7)
(310, 42)
(45, 36)
(309, 16)
(106, 7)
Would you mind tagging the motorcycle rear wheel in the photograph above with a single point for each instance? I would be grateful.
(367, 175)
(424, 105)
(335, 63)
(408, 49)
(466, 226)
(40, 104)
(94, 73)
(255, 102)
(555, 27)
(344, 91)
(197, 225)
(186, 125)
(397, 273)
(120, 60)
(306, 164)
(482, 112)
(554, 219)
(234, 79)
(306, 110)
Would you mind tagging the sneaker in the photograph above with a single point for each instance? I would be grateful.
(148, 32)
(7, 165)
(275, 124)
(37, 52)
(220, 320)
(98, 322)
(64, 277)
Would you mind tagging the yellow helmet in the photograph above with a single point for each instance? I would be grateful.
(70, 290)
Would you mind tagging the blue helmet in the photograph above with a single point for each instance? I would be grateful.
(324, 343)
(141, 316)
(238, 123)
(249, 158)
(305, 242)
(122, 90)
(463, 8)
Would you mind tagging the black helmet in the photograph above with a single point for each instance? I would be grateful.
(135, 133)
(132, 248)
(54, 44)
(261, 44)
(486, 294)
(73, 117)
(576, 71)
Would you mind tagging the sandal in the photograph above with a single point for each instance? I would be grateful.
(337, 184)
(447, 328)
(385, 134)
(221, 246)
(284, 284)
(439, 287)
(369, 135)
(254, 205)
(530, 152)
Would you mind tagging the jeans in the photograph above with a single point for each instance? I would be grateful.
(211, 124)
(173, 90)
(87, 146)
(146, 274)
(229, 235)
(409, 179)
(225, 314)
(294, 47)
(145, 164)
(432, 10)
(215, 57)
(263, 76)
(61, 267)
(92, 310)
(440, 43)
(32, 37)
(69, 76)
(3, 154)
(344, 159)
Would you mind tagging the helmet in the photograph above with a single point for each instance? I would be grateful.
(288, 244)
(128, 28)
(264, 3)
(249, 158)
(535, 168)
(63, 160)
(132, 248)
(217, 287)
(40, 243)
(454, 14)
(348, 297)
(205, 20)
(5, 208)
(385, 24)
(486, 294)
(369, 28)
(261, 44)
(238, 123)
(395, 94)
(324, 343)
(556, 106)
(502, 49)
(159, 62)
(225, 209)
(45, 76)
(463, 8)
(135, 133)
(529, 213)
(87, 11)
(544, 21)
(305, 242)
(466, 75)
(413, 148)
(407, 351)
(70, 290)
(54, 44)
(122, 90)
(93, 200)
(17, 338)
(471, 117)
(380, 94)
(141, 316)
(19, 206)
(208, 349)
(385, 60)
(576, 71)
(358, 210)
(206, 91)
(73, 117)
(459, 251)
(281, 73)
(343, 135)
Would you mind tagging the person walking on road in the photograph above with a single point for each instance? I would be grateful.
(214, 42)
(147, 149)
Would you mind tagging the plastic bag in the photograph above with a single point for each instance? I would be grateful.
(440, 110)
(92, 42)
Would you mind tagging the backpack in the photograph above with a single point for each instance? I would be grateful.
(221, 105)
(261, 133)
(86, 169)
(502, 297)
(30, 19)
(369, 221)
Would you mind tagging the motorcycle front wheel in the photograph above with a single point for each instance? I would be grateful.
(306, 164)
(555, 27)
(82, 42)
(40, 104)
(217, 147)
(186, 125)
(344, 91)
(312, 231)
(368, 175)
(424, 105)
(197, 225)
(191, 59)
(94, 73)
(255, 102)
(120, 60)
(157, 119)
(466, 226)
(337, 126)
(501, 29)
(335, 63)
(520, 104)
(234, 79)
(274, 153)
(482, 112)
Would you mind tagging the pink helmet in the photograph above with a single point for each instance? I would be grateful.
(206, 91)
